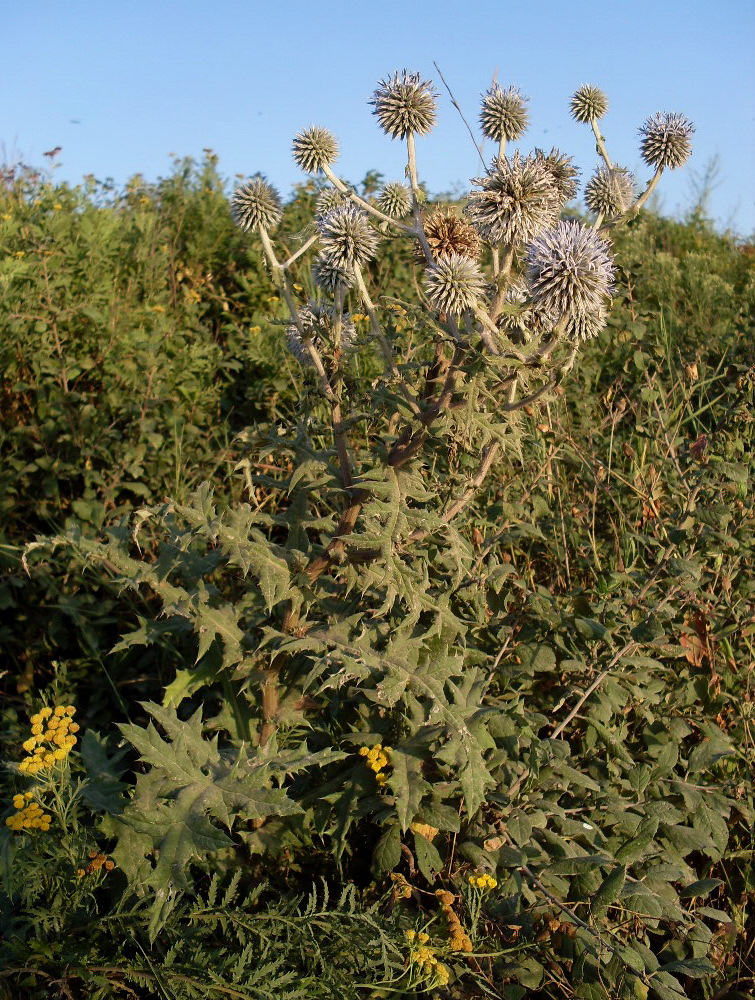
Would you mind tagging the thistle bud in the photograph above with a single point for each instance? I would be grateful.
(588, 104)
(404, 104)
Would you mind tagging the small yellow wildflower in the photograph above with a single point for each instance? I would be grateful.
(35, 719)
(37, 729)
(45, 712)
(157, 309)
(255, 329)
(57, 206)
(482, 882)
(298, 288)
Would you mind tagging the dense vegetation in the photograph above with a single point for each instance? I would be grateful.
(606, 590)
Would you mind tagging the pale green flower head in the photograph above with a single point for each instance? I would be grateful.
(588, 104)
(570, 271)
(395, 200)
(404, 104)
(315, 148)
(666, 140)
(346, 236)
(454, 283)
(504, 113)
(256, 204)
(610, 191)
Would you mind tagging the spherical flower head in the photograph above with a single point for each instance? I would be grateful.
(346, 236)
(570, 271)
(588, 104)
(562, 171)
(454, 283)
(330, 277)
(328, 199)
(517, 200)
(256, 204)
(315, 148)
(318, 322)
(395, 200)
(610, 191)
(447, 234)
(666, 140)
(404, 104)
(504, 113)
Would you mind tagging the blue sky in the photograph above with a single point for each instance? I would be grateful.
(121, 86)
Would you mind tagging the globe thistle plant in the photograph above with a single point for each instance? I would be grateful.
(315, 148)
(517, 200)
(610, 191)
(570, 271)
(405, 105)
(504, 114)
(666, 140)
(447, 233)
(256, 204)
(454, 283)
(480, 302)
(346, 236)
(588, 104)
(395, 200)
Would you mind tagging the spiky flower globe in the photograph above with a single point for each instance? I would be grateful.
(517, 200)
(395, 200)
(562, 170)
(328, 199)
(255, 204)
(454, 283)
(318, 322)
(504, 113)
(404, 104)
(570, 271)
(447, 233)
(329, 276)
(315, 148)
(610, 191)
(588, 104)
(666, 140)
(346, 237)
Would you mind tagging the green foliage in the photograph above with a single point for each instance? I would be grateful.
(552, 651)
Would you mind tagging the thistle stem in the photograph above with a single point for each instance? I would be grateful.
(600, 144)
(411, 169)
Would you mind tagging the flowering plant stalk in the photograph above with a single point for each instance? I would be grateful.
(507, 293)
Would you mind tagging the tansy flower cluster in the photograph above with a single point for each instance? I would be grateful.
(377, 758)
(424, 959)
(460, 940)
(96, 862)
(29, 814)
(482, 882)
(52, 738)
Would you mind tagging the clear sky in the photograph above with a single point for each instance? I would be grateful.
(123, 85)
